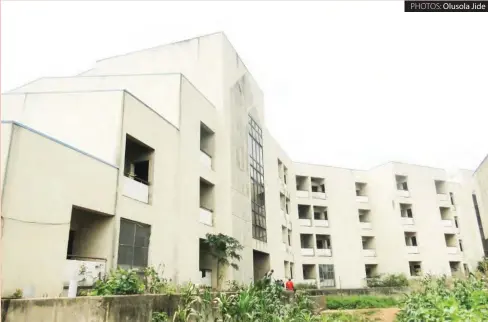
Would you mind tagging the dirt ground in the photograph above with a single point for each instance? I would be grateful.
(383, 315)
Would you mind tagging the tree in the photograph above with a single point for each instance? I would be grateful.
(483, 266)
(225, 250)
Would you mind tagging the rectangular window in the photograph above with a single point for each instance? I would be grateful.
(256, 169)
(133, 244)
(326, 275)
(461, 245)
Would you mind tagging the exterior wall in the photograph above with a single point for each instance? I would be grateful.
(162, 212)
(40, 188)
(158, 91)
(89, 121)
(481, 176)
(344, 229)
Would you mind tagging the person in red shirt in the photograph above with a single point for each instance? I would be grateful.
(289, 285)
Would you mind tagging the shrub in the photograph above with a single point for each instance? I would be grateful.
(388, 280)
(18, 294)
(465, 300)
(359, 302)
(159, 317)
(119, 282)
(483, 266)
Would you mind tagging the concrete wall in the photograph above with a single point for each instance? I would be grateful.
(44, 180)
(481, 176)
(82, 309)
(89, 121)
(158, 91)
(162, 211)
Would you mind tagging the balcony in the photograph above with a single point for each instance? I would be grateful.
(307, 252)
(206, 160)
(302, 194)
(318, 195)
(366, 225)
(407, 221)
(135, 189)
(447, 223)
(86, 270)
(305, 222)
(321, 223)
(206, 216)
(324, 252)
(452, 250)
(412, 249)
(284, 247)
(362, 198)
(369, 252)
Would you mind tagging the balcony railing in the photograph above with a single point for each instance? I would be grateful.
(366, 225)
(403, 193)
(205, 160)
(452, 250)
(447, 223)
(369, 252)
(412, 249)
(302, 194)
(407, 221)
(321, 223)
(283, 246)
(324, 252)
(206, 216)
(305, 222)
(135, 189)
(318, 195)
(362, 198)
(307, 251)
(85, 270)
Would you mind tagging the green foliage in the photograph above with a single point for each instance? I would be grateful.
(225, 250)
(465, 300)
(154, 283)
(483, 266)
(388, 280)
(18, 294)
(159, 317)
(359, 302)
(119, 282)
(348, 317)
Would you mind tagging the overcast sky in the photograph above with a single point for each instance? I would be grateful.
(351, 84)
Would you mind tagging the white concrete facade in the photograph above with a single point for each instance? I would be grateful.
(155, 144)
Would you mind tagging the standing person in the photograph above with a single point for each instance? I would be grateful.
(290, 286)
(267, 277)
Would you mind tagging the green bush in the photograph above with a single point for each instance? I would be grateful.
(388, 280)
(119, 282)
(465, 300)
(159, 317)
(359, 302)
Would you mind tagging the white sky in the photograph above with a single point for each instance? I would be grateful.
(351, 84)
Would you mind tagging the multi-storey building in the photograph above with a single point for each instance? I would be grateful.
(481, 175)
(133, 162)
